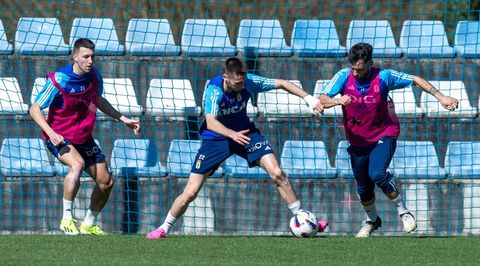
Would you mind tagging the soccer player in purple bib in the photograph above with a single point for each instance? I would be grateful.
(372, 127)
(227, 130)
(73, 95)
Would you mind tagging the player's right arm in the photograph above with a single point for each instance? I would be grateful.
(334, 87)
(43, 100)
(212, 99)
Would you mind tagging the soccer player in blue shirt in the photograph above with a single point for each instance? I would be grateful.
(227, 130)
(372, 127)
(73, 94)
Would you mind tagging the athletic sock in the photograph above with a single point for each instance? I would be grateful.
(168, 223)
(371, 212)
(295, 207)
(67, 209)
(90, 218)
(400, 205)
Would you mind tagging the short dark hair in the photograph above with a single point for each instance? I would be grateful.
(234, 65)
(360, 51)
(83, 42)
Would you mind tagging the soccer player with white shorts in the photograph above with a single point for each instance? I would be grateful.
(372, 128)
(227, 130)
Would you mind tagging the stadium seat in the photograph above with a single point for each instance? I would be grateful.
(101, 31)
(316, 38)
(181, 156)
(11, 101)
(456, 89)
(206, 37)
(237, 167)
(252, 111)
(462, 159)
(257, 37)
(416, 160)
(25, 157)
(5, 47)
(62, 170)
(425, 39)
(376, 32)
(467, 39)
(171, 98)
(40, 36)
(121, 94)
(335, 111)
(136, 157)
(405, 104)
(151, 37)
(342, 160)
(280, 103)
(306, 159)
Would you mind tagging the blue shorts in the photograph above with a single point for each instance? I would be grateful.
(213, 152)
(90, 151)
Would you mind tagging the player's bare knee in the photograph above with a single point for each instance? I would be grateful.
(106, 183)
(278, 176)
(77, 167)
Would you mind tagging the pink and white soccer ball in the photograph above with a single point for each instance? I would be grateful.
(304, 224)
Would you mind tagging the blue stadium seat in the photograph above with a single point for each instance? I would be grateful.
(342, 160)
(136, 157)
(62, 170)
(405, 103)
(11, 100)
(306, 159)
(101, 31)
(453, 88)
(257, 37)
(206, 37)
(121, 94)
(5, 47)
(425, 39)
(467, 39)
(25, 157)
(236, 166)
(171, 98)
(151, 37)
(280, 103)
(462, 159)
(416, 160)
(378, 33)
(40, 36)
(316, 38)
(181, 156)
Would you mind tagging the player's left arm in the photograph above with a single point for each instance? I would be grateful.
(447, 102)
(314, 104)
(109, 110)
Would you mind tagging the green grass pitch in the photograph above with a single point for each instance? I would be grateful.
(236, 250)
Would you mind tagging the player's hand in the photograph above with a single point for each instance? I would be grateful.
(449, 103)
(241, 137)
(56, 139)
(131, 123)
(313, 104)
(344, 100)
